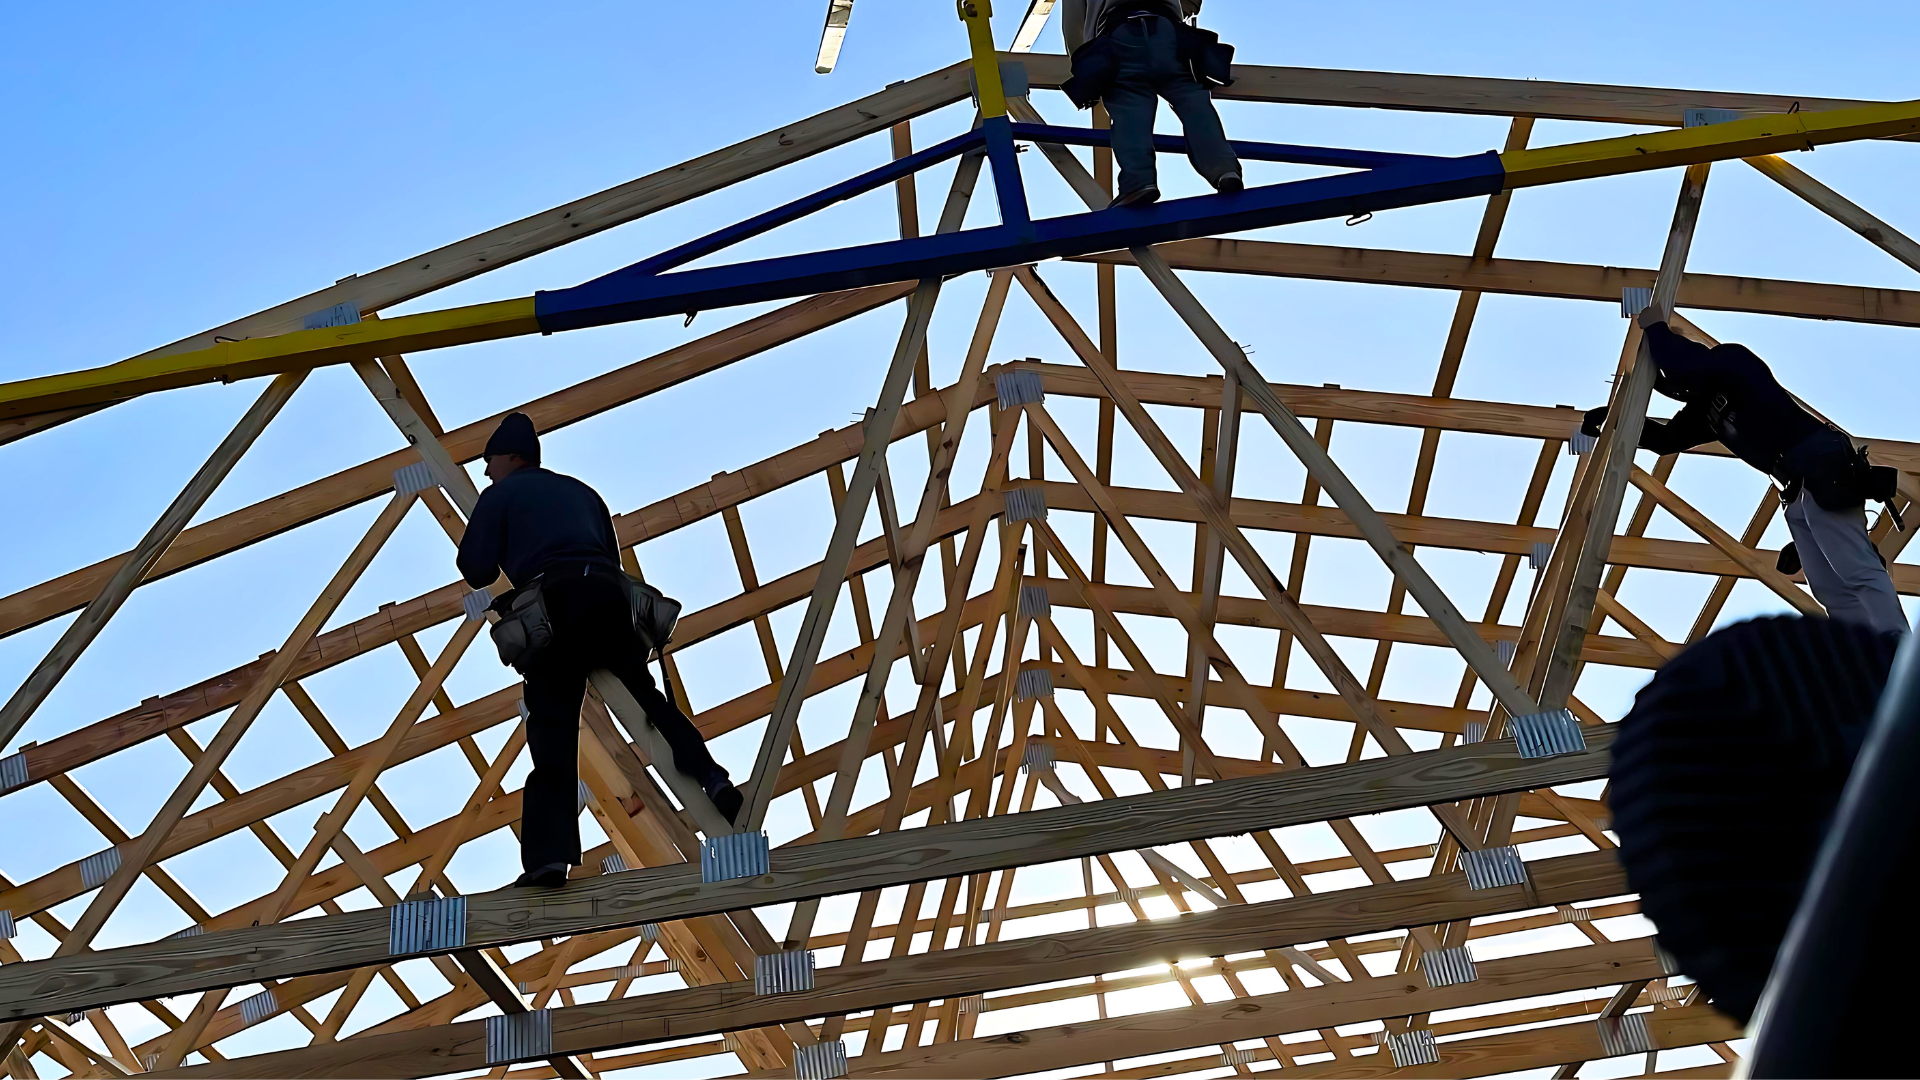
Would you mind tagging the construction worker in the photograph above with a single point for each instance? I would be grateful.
(1129, 54)
(1730, 395)
(542, 528)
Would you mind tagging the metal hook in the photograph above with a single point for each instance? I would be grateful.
(1360, 218)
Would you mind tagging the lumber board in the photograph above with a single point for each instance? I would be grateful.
(999, 965)
(508, 916)
(1529, 277)
(1471, 95)
(1322, 1007)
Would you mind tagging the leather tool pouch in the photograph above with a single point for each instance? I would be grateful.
(655, 614)
(1207, 58)
(524, 631)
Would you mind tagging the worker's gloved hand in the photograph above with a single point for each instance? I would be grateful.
(1591, 425)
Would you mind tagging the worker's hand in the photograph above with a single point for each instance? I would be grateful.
(1591, 425)
(1649, 317)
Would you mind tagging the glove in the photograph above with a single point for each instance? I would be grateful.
(1591, 425)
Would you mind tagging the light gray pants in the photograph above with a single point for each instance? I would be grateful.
(1841, 566)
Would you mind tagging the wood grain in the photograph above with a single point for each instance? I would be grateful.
(357, 939)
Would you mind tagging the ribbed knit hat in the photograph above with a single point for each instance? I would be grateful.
(515, 435)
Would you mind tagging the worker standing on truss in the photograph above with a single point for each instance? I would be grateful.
(1731, 395)
(553, 534)
(1131, 53)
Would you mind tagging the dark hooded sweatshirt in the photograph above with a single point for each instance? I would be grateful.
(533, 520)
(1732, 396)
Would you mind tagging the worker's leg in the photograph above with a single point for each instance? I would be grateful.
(1841, 566)
(1131, 107)
(690, 754)
(1207, 145)
(550, 808)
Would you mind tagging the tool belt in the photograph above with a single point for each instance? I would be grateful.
(523, 631)
(1843, 478)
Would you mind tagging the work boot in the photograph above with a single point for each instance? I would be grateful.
(1229, 184)
(1145, 196)
(726, 798)
(550, 876)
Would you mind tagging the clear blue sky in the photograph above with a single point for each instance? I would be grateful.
(175, 166)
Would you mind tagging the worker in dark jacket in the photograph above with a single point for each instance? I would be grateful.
(1141, 38)
(1730, 395)
(535, 524)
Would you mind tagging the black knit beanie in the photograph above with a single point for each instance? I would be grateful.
(515, 435)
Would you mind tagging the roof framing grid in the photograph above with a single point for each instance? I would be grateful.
(987, 698)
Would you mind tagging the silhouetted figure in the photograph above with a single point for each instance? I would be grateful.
(540, 527)
(1731, 396)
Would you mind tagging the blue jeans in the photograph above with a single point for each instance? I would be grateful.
(1150, 69)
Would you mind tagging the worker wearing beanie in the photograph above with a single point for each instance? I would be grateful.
(533, 523)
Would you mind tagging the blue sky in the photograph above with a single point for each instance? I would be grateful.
(173, 167)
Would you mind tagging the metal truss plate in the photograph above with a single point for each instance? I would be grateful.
(1506, 651)
(1018, 388)
(1491, 868)
(1704, 117)
(8, 930)
(1538, 554)
(1035, 602)
(1013, 81)
(1038, 755)
(519, 1036)
(1580, 443)
(1026, 504)
(409, 479)
(525, 713)
(73, 1018)
(13, 771)
(1547, 734)
(1634, 300)
(1449, 967)
(1576, 915)
(821, 1061)
(96, 868)
(261, 1006)
(476, 604)
(1034, 683)
(1234, 1055)
(1668, 964)
(582, 795)
(192, 931)
(418, 926)
(1623, 1035)
(1411, 1048)
(1474, 731)
(613, 864)
(783, 972)
(736, 855)
(973, 1003)
(338, 315)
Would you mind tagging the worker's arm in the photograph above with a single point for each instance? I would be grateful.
(1686, 430)
(1684, 363)
(479, 557)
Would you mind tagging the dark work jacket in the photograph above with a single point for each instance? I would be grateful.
(1732, 396)
(534, 519)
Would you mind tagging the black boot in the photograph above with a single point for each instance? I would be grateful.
(726, 798)
(550, 876)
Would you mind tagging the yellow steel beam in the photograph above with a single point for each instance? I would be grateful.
(231, 360)
(1714, 142)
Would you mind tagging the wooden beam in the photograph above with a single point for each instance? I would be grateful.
(926, 976)
(1839, 208)
(1526, 277)
(1229, 1021)
(356, 939)
(138, 562)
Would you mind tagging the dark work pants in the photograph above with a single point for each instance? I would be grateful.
(592, 628)
(1150, 69)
